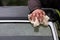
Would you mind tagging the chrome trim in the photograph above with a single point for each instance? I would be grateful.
(14, 21)
(54, 31)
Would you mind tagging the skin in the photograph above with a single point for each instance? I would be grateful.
(37, 13)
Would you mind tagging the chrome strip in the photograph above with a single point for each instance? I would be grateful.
(14, 21)
(54, 31)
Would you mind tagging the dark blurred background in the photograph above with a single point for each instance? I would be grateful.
(13, 2)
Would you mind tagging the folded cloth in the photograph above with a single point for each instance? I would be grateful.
(37, 23)
(45, 20)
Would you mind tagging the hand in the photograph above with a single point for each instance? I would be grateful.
(37, 13)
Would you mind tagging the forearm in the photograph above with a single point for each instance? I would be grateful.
(34, 4)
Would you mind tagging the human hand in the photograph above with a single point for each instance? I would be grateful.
(38, 13)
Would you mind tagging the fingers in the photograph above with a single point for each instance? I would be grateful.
(32, 16)
(39, 14)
